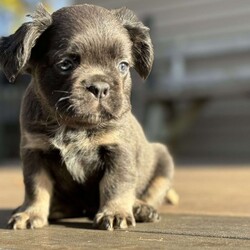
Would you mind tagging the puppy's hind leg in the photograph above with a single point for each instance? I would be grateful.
(158, 188)
(161, 181)
(38, 191)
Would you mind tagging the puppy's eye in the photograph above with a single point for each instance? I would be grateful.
(65, 65)
(123, 67)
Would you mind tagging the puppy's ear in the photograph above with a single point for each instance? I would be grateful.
(15, 50)
(143, 53)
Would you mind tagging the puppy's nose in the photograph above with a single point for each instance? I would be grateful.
(99, 89)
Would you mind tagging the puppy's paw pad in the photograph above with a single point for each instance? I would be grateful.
(145, 213)
(106, 221)
(25, 220)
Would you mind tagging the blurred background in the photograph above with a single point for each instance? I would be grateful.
(197, 99)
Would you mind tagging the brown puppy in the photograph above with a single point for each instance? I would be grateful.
(81, 148)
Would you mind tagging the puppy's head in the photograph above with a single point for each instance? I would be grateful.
(79, 58)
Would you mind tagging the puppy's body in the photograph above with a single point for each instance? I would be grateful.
(82, 149)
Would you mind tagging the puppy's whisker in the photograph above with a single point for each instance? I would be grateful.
(62, 99)
(66, 109)
(71, 107)
(56, 116)
(61, 91)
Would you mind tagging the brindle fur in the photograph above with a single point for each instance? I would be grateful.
(79, 152)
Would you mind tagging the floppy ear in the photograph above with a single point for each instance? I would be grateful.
(143, 53)
(15, 50)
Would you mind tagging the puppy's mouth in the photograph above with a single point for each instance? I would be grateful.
(87, 115)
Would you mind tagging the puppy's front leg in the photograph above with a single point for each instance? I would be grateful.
(117, 195)
(34, 211)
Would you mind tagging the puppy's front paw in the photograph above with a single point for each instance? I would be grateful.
(113, 220)
(145, 213)
(27, 220)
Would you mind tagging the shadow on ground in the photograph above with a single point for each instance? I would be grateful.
(68, 223)
(4, 217)
(73, 224)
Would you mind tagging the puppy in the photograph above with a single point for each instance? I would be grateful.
(82, 150)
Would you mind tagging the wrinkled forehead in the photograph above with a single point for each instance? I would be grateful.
(91, 31)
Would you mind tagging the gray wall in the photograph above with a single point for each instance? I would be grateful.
(189, 19)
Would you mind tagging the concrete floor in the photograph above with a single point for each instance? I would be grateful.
(214, 213)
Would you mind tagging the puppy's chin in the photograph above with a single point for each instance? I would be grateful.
(88, 121)
(88, 115)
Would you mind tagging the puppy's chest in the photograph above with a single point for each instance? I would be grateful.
(83, 154)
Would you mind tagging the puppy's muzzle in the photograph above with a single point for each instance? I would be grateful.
(100, 90)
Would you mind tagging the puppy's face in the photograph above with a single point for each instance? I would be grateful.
(82, 66)
(80, 61)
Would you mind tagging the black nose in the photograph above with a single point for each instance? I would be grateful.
(99, 89)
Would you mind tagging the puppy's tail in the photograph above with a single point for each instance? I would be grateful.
(172, 197)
